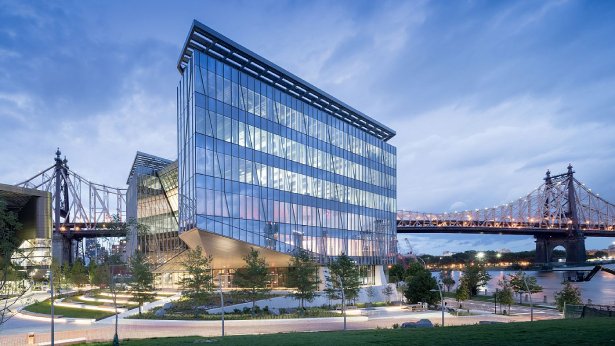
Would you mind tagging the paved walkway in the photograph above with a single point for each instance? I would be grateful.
(379, 317)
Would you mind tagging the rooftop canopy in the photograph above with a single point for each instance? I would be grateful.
(149, 161)
(205, 39)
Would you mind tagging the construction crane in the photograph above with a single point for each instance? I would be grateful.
(406, 258)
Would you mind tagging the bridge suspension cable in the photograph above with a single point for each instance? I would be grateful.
(85, 205)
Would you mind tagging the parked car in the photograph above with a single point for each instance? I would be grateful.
(422, 323)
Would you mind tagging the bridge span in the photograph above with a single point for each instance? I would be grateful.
(561, 212)
(80, 208)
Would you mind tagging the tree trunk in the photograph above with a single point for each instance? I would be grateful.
(253, 302)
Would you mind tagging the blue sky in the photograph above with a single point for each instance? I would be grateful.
(485, 95)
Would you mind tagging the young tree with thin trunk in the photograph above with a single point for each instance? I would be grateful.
(253, 277)
(345, 272)
(198, 284)
(78, 274)
(142, 281)
(388, 292)
(446, 276)
(303, 276)
(568, 295)
(518, 284)
(504, 295)
(462, 293)
(371, 293)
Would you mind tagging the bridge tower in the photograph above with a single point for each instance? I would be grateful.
(573, 240)
(62, 246)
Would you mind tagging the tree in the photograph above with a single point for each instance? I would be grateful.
(446, 276)
(419, 287)
(13, 285)
(518, 284)
(396, 273)
(568, 295)
(505, 294)
(198, 284)
(253, 277)
(102, 276)
(345, 272)
(401, 288)
(92, 271)
(303, 276)
(388, 292)
(371, 293)
(462, 293)
(601, 254)
(78, 274)
(474, 276)
(113, 262)
(331, 292)
(142, 280)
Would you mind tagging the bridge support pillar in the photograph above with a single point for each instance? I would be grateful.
(575, 250)
(574, 245)
(61, 251)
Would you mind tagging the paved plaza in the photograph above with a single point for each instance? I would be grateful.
(16, 331)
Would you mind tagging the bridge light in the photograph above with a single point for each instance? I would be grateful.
(62, 228)
(77, 228)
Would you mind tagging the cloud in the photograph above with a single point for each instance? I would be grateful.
(482, 157)
(437, 244)
(484, 97)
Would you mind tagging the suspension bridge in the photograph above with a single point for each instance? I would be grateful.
(80, 208)
(562, 211)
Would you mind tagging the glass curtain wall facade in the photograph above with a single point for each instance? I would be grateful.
(153, 202)
(263, 166)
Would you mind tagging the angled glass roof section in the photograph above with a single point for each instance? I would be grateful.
(149, 161)
(205, 39)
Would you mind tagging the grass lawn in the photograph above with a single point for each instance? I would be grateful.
(598, 331)
(44, 307)
(477, 297)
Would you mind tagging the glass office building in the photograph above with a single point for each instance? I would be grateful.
(152, 200)
(266, 160)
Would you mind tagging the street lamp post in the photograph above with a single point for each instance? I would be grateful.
(221, 300)
(495, 302)
(441, 300)
(530, 294)
(113, 288)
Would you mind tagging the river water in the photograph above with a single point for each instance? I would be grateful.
(601, 288)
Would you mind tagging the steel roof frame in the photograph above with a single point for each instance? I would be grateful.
(205, 39)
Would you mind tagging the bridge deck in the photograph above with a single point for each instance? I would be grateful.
(497, 230)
